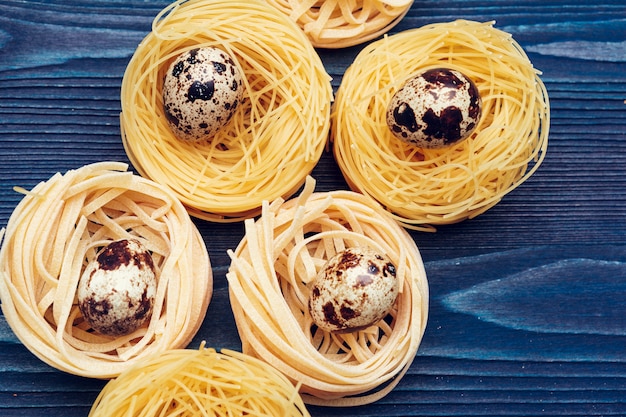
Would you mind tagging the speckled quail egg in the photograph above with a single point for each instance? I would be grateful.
(435, 109)
(355, 289)
(201, 91)
(116, 290)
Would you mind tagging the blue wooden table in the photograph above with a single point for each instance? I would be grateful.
(528, 301)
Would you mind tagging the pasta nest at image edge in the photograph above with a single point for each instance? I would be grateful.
(269, 277)
(341, 23)
(200, 382)
(58, 228)
(421, 187)
(275, 137)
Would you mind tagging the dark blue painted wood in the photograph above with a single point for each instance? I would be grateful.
(528, 308)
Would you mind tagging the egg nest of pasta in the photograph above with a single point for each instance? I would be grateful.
(58, 229)
(340, 23)
(269, 282)
(422, 187)
(275, 137)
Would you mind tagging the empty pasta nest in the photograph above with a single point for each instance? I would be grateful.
(200, 382)
(341, 23)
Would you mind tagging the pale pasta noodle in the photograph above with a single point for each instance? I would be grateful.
(58, 228)
(343, 23)
(428, 187)
(270, 270)
(278, 132)
(200, 382)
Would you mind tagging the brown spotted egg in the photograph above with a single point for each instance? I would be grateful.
(117, 289)
(435, 109)
(354, 290)
(201, 91)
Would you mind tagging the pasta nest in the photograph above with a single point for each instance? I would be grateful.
(275, 137)
(428, 187)
(341, 23)
(200, 382)
(269, 283)
(59, 227)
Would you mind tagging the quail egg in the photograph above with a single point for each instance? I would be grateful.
(435, 109)
(116, 290)
(201, 91)
(355, 289)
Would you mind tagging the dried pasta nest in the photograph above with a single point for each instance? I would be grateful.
(200, 382)
(58, 228)
(269, 277)
(341, 23)
(277, 133)
(424, 188)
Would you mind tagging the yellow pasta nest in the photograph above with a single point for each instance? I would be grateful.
(341, 23)
(428, 187)
(269, 280)
(200, 382)
(58, 228)
(275, 137)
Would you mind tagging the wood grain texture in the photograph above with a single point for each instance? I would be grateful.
(528, 300)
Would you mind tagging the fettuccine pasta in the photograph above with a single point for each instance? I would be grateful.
(275, 137)
(201, 382)
(269, 279)
(342, 23)
(428, 187)
(58, 228)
